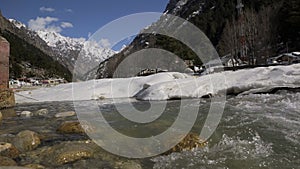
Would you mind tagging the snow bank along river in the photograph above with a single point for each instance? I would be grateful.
(164, 86)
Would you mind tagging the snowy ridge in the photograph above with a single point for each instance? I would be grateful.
(90, 49)
(56, 40)
(164, 86)
(17, 23)
(67, 50)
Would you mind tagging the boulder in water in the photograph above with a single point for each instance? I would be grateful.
(26, 140)
(190, 142)
(41, 112)
(26, 114)
(71, 127)
(65, 114)
(8, 150)
(67, 152)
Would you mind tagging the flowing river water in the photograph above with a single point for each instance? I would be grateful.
(256, 131)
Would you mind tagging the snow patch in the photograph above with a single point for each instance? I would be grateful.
(17, 23)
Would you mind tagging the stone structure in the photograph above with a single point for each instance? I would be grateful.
(4, 63)
(6, 95)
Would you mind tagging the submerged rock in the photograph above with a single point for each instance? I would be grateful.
(65, 114)
(190, 142)
(63, 153)
(26, 114)
(41, 112)
(71, 127)
(8, 150)
(26, 140)
(5, 161)
(79, 154)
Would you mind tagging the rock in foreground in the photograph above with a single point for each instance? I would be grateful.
(26, 141)
(65, 114)
(8, 150)
(190, 142)
(71, 127)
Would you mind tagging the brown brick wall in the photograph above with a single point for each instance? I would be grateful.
(4, 63)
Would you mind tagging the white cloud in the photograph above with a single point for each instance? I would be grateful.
(69, 10)
(66, 25)
(46, 23)
(54, 29)
(105, 43)
(45, 9)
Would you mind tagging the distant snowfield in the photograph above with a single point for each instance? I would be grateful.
(164, 86)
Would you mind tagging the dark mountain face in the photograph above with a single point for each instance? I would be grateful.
(271, 23)
(30, 55)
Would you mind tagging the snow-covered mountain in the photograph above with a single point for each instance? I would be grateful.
(67, 50)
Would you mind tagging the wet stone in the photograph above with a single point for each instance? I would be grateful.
(8, 150)
(26, 141)
(64, 153)
(65, 114)
(71, 127)
(41, 112)
(26, 114)
(5, 161)
(190, 142)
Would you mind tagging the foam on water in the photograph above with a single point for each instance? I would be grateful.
(256, 131)
(219, 155)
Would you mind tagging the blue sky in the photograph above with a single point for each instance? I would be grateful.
(75, 18)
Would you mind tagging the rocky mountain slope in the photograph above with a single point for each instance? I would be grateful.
(30, 55)
(275, 24)
(60, 49)
(68, 49)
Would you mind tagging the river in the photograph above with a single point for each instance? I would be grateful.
(256, 131)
